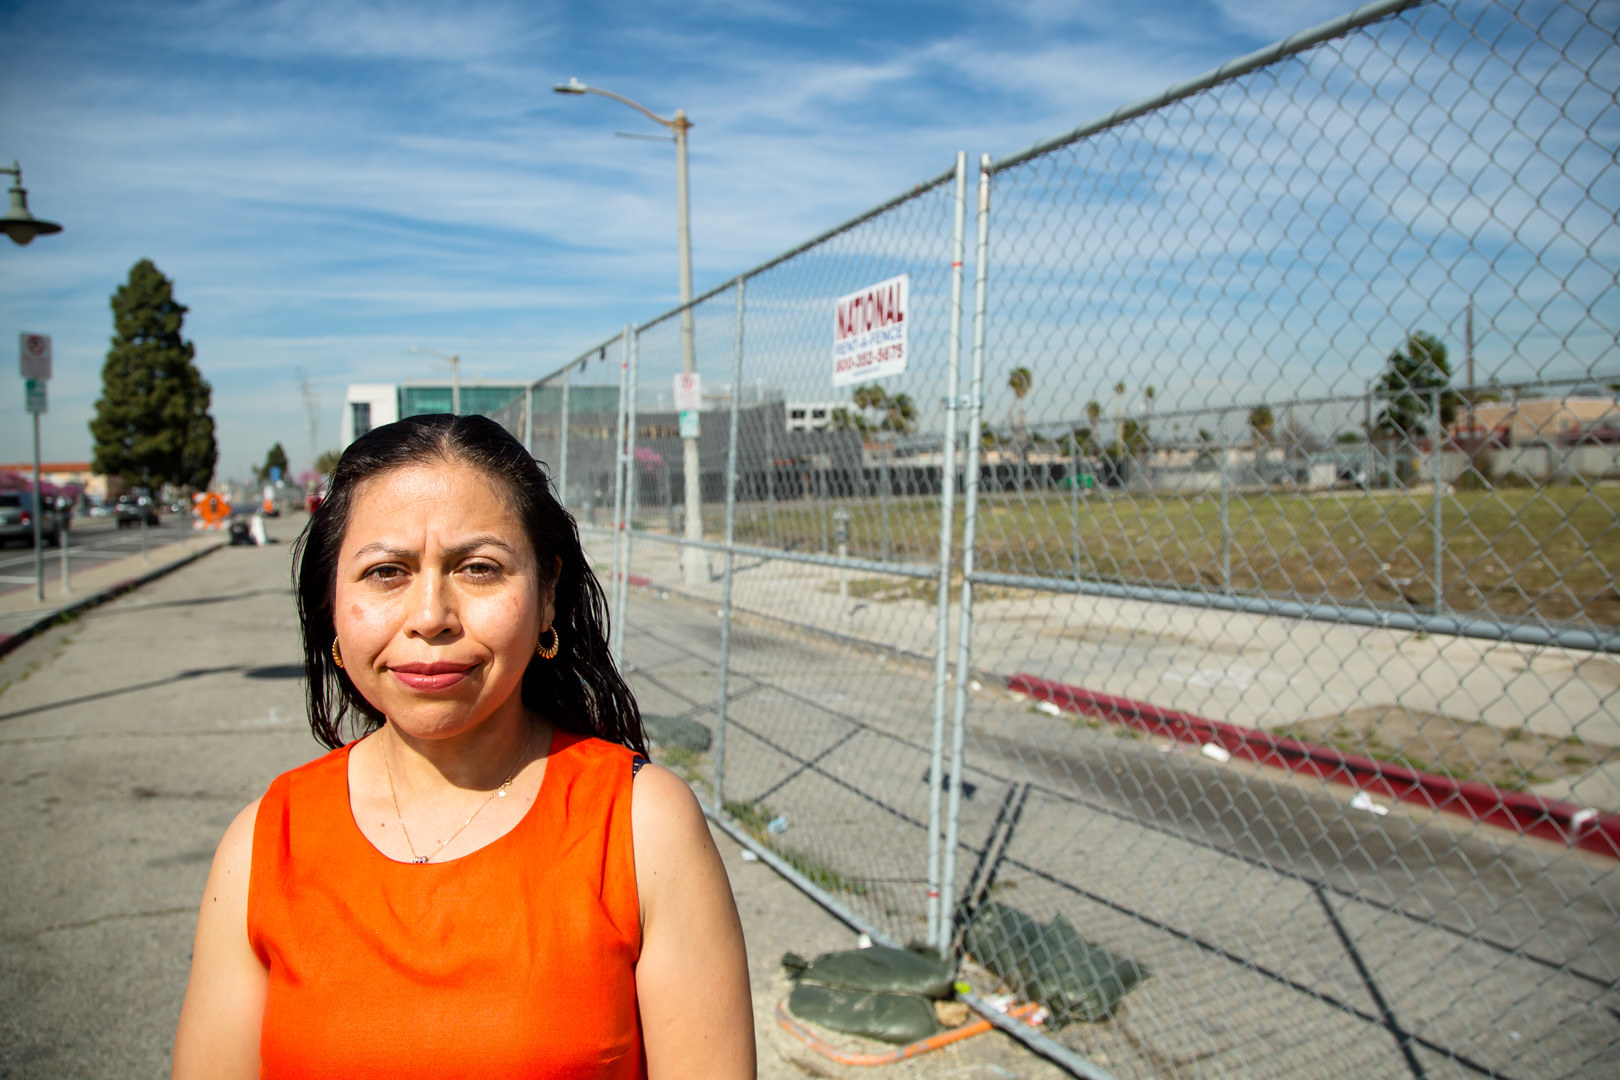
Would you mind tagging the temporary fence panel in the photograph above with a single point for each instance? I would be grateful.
(1296, 538)
(831, 493)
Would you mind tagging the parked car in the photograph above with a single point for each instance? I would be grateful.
(17, 520)
(132, 508)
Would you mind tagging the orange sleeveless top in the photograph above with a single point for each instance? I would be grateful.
(517, 960)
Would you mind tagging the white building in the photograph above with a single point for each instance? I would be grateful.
(366, 406)
(812, 415)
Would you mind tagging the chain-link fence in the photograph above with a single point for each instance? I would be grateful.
(1257, 489)
(1221, 647)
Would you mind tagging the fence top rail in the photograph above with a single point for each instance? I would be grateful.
(578, 361)
(1364, 15)
(921, 188)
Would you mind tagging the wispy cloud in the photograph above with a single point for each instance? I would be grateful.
(330, 183)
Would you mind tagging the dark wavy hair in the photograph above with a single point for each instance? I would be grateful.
(580, 690)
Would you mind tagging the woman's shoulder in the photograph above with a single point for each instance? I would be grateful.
(587, 753)
(329, 770)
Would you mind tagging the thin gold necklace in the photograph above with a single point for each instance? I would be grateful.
(499, 792)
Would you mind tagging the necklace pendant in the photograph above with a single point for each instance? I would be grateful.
(421, 859)
(500, 793)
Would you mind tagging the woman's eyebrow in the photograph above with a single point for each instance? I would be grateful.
(456, 551)
(378, 546)
(467, 547)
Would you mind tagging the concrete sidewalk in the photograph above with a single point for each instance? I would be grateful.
(21, 614)
(132, 735)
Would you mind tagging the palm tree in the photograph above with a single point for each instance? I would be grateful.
(1019, 381)
(1261, 421)
(899, 414)
(1119, 414)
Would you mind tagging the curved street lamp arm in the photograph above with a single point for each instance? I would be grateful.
(576, 87)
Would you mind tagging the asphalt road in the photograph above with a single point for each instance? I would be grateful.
(91, 541)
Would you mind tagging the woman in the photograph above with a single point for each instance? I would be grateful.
(468, 889)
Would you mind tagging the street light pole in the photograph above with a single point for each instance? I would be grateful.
(455, 377)
(22, 227)
(694, 563)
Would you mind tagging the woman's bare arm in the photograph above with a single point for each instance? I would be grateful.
(219, 1022)
(697, 1014)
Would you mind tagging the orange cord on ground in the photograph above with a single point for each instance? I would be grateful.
(899, 1053)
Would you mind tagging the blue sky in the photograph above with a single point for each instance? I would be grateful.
(329, 184)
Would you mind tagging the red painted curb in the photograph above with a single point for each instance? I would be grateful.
(1520, 811)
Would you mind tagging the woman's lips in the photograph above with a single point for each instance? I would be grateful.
(431, 677)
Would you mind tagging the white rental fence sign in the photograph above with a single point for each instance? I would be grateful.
(869, 332)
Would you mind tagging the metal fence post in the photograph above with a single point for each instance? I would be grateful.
(562, 440)
(629, 479)
(964, 633)
(1435, 441)
(1074, 497)
(617, 643)
(724, 670)
(528, 419)
(947, 535)
(1226, 511)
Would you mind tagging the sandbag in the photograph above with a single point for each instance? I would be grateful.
(677, 733)
(903, 971)
(891, 1018)
(1051, 963)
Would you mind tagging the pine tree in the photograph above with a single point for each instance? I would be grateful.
(275, 459)
(152, 425)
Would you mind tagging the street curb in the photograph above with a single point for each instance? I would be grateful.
(8, 642)
(1520, 811)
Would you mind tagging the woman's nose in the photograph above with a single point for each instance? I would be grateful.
(432, 609)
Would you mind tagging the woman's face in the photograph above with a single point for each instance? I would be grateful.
(439, 603)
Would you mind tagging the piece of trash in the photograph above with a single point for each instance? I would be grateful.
(749, 856)
(1038, 1017)
(1363, 801)
(1577, 821)
(1049, 708)
(975, 684)
(999, 1002)
(969, 788)
(962, 987)
(777, 825)
(952, 1014)
(864, 941)
(1214, 752)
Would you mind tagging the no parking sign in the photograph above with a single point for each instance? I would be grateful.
(34, 356)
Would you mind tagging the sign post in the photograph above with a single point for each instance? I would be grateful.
(34, 365)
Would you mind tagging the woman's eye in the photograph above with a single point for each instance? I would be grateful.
(482, 570)
(383, 573)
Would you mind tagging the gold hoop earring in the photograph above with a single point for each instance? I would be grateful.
(336, 659)
(546, 652)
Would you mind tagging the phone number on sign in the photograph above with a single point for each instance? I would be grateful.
(871, 357)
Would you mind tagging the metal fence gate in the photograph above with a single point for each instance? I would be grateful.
(1241, 599)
